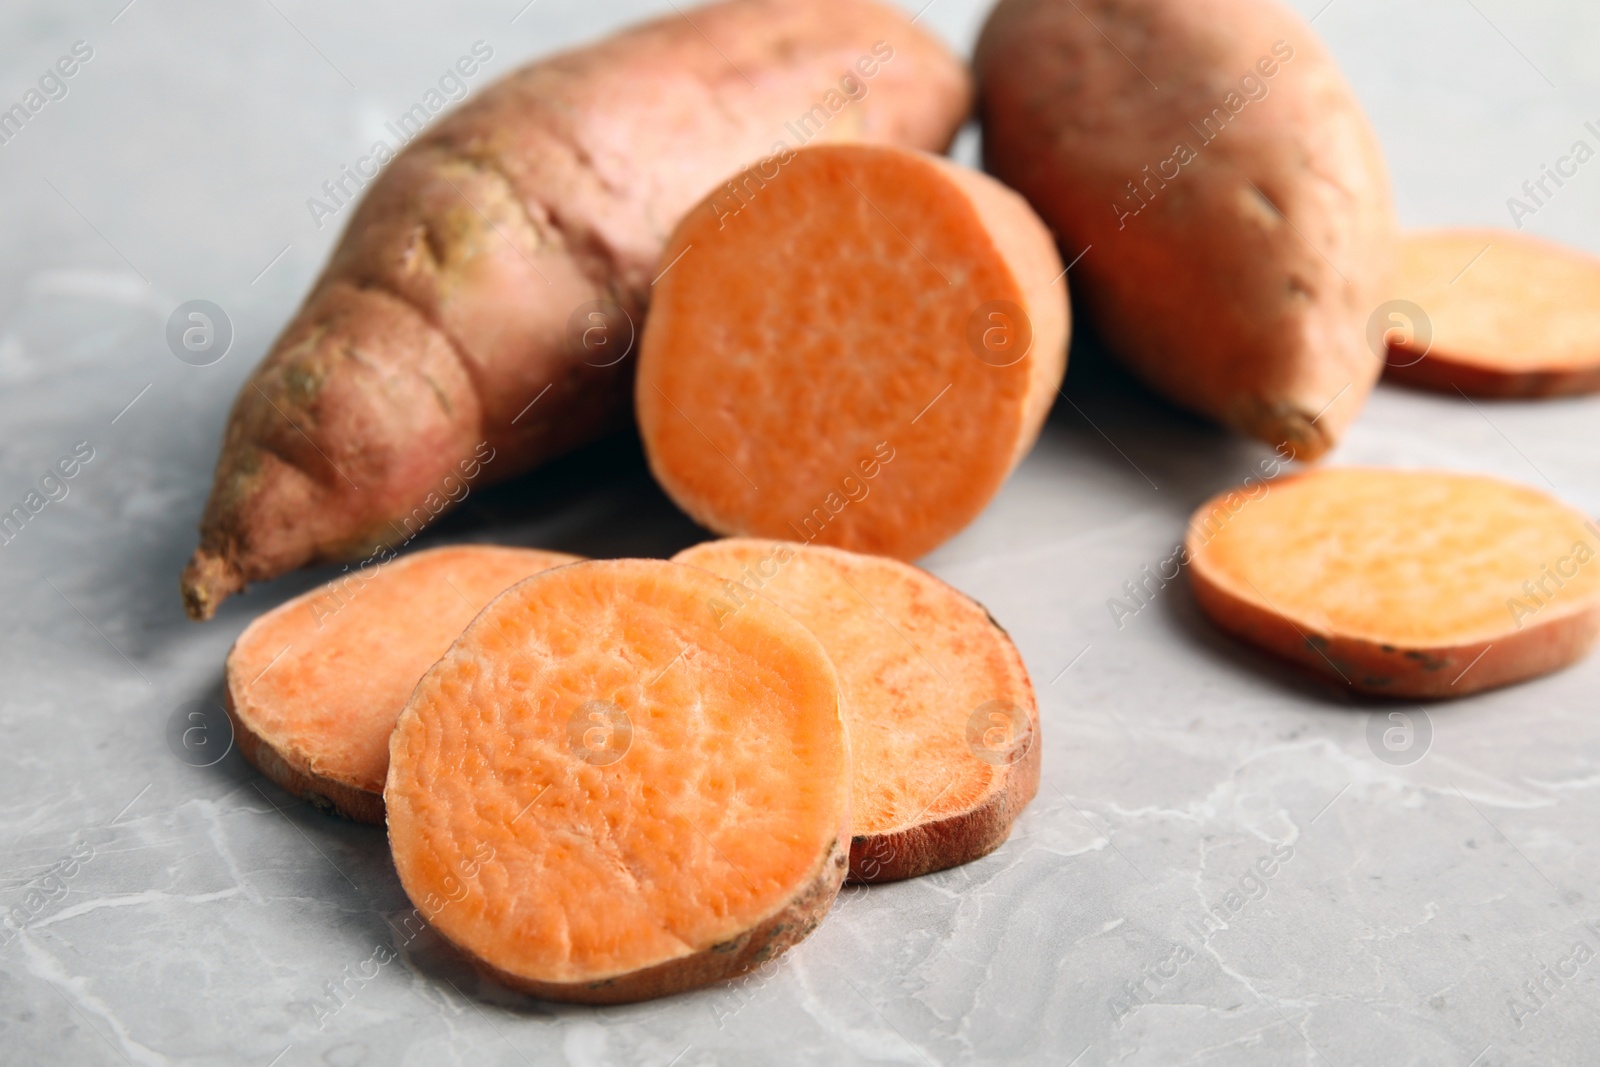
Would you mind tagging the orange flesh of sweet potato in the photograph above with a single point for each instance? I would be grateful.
(814, 366)
(1507, 315)
(316, 684)
(944, 728)
(601, 796)
(484, 298)
(1402, 583)
(1227, 194)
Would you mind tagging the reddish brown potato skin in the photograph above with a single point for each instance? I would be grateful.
(1385, 671)
(1242, 285)
(444, 312)
(1442, 376)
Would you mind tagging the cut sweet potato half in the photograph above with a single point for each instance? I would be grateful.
(1401, 583)
(944, 728)
(1503, 315)
(854, 350)
(314, 686)
(602, 796)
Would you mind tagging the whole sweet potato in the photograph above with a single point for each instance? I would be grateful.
(476, 317)
(1227, 195)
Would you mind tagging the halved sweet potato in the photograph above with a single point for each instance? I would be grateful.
(602, 796)
(1402, 583)
(944, 728)
(478, 313)
(1507, 315)
(857, 356)
(316, 684)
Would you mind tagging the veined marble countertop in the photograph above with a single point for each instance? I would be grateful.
(1419, 903)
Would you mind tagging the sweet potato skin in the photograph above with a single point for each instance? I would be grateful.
(442, 327)
(1419, 674)
(326, 794)
(771, 938)
(1233, 271)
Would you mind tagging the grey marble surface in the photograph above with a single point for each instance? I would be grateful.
(171, 913)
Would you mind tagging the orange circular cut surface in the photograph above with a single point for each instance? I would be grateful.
(856, 350)
(316, 684)
(601, 795)
(943, 723)
(1413, 583)
(1505, 315)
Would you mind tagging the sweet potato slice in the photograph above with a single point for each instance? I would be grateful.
(1227, 195)
(1503, 315)
(944, 728)
(316, 684)
(484, 298)
(1401, 583)
(602, 796)
(855, 350)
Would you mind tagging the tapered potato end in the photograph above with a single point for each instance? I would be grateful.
(357, 430)
(208, 580)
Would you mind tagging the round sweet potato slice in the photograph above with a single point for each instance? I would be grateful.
(1402, 583)
(601, 796)
(851, 345)
(944, 728)
(1503, 314)
(314, 686)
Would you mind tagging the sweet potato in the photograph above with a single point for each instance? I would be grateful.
(602, 796)
(1503, 314)
(944, 728)
(480, 307)
(1401, 583)
(857, 356)
(1227, 196)
(314, 686)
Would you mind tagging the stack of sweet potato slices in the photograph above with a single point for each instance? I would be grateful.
(625, 778)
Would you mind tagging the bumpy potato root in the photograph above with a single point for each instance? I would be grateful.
(481, 305)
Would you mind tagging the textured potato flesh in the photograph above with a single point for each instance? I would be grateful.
(1502, 301)
(1410, 558)
(829, 316)
(323, 678)
(915, 660)
(726, 802)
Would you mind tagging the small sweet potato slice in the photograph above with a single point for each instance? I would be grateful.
(602, 796)
(1504, 315)
(1401, 583)
(314, 686)
(854, 350)
(944, 728)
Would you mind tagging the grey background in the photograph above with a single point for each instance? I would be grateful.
(213, 909)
